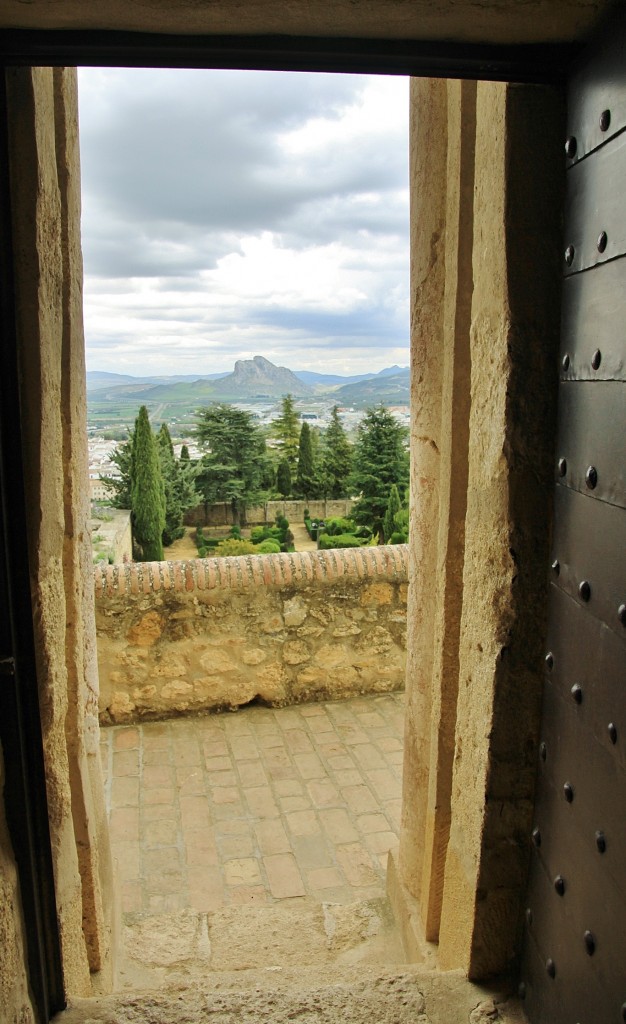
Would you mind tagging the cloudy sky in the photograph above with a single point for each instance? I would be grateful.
(228, 214)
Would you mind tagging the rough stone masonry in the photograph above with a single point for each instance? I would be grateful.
(175, 637)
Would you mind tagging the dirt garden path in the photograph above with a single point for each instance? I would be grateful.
(182, 549)
(301, 539)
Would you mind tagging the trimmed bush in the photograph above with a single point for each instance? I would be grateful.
(338, 526)
(233, 546)
(268, 547)
(342, 540)
(398, 538)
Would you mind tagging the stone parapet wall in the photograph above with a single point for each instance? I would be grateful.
(221, 514)
(213, 633)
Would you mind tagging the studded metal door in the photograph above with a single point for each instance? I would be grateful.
(574, 960)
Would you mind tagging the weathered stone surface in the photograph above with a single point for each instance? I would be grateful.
(280, 643)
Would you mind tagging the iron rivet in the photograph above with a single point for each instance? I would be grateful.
(584, 590)
(549, 661)
(562, 467)
(521, 991)
(569, 255)
(571, 146)
(568, 792)
(590, 943)
(559, 884)
(596, 359)
(605, 120)
(543, 751)
(565, 362)
(613, 733)
(621, 614)
(551, 968)
(529, 916)
(556, 567)
(602, 241)
(577, 693)
(623, 1011)
(535, 835)
(591, 477)
(601, 841)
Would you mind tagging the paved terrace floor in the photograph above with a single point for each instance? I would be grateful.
(257, 806)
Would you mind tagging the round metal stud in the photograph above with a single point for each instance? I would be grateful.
(565, 362)
(601, 841)
(535, 835)
(571, 146)
(562, 467)
(556, 567)
(543, 751)
(549, 659)
(568, 792)
(577, 693)
(612, 733)
(559, 884)
(529, 916)
(605, 120)
(602, 241)
(569, 255)
(590, 942)
(551, 968)
(591, 477)
(621, 614)
(596, 359)
(584, 590)
(521, 991)
(623, 1011)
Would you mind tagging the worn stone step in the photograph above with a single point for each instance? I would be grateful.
(358, 994)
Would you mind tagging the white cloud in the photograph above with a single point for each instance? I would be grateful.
(227, 214)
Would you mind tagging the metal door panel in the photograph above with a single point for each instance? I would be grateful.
(593, 324)
(589, 547)
(588, 655)
(598, 86)
(592, 439)
(595, 204)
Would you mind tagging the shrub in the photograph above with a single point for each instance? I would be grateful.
(268, 547)
(234, 546)
(258, 533)
(398, 538)
(282, 523)
(341, 540)
(235, 531)
(363, 532)
(338, 526)
(307, 514)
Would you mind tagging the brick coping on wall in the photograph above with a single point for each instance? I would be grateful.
(295, 569)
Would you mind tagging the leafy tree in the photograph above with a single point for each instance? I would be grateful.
(393, 507)
(286, 429)
(122, 457)
(234, 467)
(305, 480)
(283, 479)
(147, 490)
(337, 458)
(380, 460)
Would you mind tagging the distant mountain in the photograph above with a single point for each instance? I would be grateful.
(388, 389)
(99, 379)
(393, 371)
(328, 379)
(258, 377)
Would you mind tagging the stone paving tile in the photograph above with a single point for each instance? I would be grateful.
(255, 807)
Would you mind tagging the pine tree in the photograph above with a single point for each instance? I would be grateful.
(305, 480)
(234, 467)
(184, 454)
(337, 458)
(147, 491)
(286, 430)
(380, 460)
(283, 479)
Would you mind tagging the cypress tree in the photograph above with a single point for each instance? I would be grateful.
(283, 479)
(393, 507)
(173, 528)
(305, 480)
(147, 491)
(286, 429)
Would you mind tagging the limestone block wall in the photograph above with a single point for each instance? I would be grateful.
(221, 514)
(176, 637)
